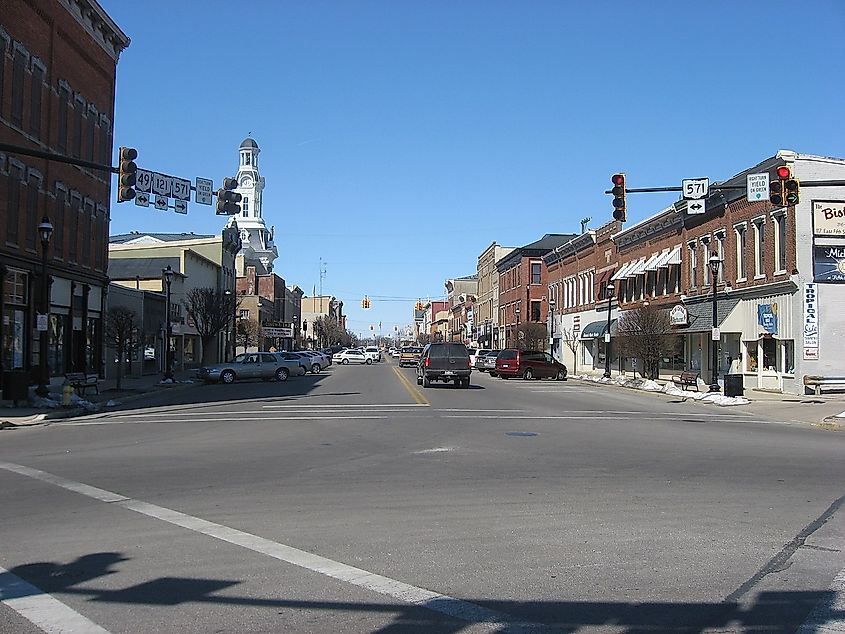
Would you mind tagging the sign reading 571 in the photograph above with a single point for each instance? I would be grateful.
(695, 188)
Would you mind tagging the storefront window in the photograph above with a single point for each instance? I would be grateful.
(730, 361)
(190, 350)
(751, 356)
(56, 350)
(788, 356)
(769, 353)
(14, 327)
(92, 349)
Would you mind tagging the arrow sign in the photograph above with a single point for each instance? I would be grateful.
(161, 202)
(142, 199)
(180, 206)
(696, 207)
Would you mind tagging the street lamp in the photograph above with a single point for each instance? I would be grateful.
(552, 327)
(295, 326)
(230, 335)
(305, 331)
(714, 263)
(45, 232)
(168, 331)
(516, 332)
(610, 288)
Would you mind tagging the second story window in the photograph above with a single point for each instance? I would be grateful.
(740, 252)
(780, 243)
(535, 272)
(759, 248)
(18, 64)
(693, 265)
(705, 256)
(720, 252)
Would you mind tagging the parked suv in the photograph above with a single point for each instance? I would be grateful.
(444, 362)
(529, 364)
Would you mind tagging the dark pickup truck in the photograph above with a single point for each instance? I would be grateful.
(444, 362)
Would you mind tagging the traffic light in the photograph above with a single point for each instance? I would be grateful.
(793, 190)
(776, 193)
(127, 171)
(365, 303)
(419, 305)
(618, 191)
(785, 190)
(227, 200)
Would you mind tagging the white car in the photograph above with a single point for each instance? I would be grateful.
(373, 353)
(345, 357)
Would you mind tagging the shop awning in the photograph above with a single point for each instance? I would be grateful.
(674, 257)
(623, 272)
(701, 314)
(604, 276)
(596, 329)
(637, 269)
(651, 263)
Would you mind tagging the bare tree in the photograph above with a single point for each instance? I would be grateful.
(211, 310)
(645, 333)
(570, 338)
(122, 334)
(328, 331)
(249, 333)
(531, 335)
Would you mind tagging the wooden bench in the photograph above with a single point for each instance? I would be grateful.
(818, 382)
(688, 378)
(81, 382)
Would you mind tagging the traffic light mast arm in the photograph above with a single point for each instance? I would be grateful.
(59, 158)
(645, 190)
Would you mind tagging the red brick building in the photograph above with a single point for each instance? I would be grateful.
(57, 89)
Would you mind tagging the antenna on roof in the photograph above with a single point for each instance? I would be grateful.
(584, 223)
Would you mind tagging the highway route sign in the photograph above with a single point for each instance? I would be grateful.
(757, 187)
(161, 202)
(142, 199)
(181, 189)
(143, 180)
(696, 207)
(180, 206)
(162, 185)
(204, 187)
(695, 188)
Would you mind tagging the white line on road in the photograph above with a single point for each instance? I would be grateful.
(43, 610)
(486, 619)
(349, 405)
(235, 418)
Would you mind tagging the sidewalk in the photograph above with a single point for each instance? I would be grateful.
(827, 411)
(132, 388)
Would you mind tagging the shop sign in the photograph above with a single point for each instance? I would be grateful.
(828, 218)
(767, 317)
(828, 264)
(678, 316)
(281, 332)
(811, 322)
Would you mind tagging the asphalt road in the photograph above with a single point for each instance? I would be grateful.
(355, 501)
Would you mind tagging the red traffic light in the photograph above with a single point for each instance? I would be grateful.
(784, 172)
(618, 179)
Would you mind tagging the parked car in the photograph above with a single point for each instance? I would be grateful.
(351, 355)
(529, 364)
(373, 353)
(395, 353)
(324, 359)
(444, 362)
(310, 362)
(317, 360)
(486, 361)
(474, 353)
(296, 365)
(409, 356)
(304, 362)
(252, 365)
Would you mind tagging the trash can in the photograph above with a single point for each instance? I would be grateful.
(16, 386)
(733, 385)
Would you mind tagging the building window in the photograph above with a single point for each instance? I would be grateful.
(73, 227)
(57, 242)
(32, 217)
(705, 260)
(90, 126)
(720, 252)
(105, 140)
(780, 243)
(693, 265)
(4, 45)
(740, 252)
(759, 248)
(535, 272)
(245, 205)
(18, 65)
(35, 104)
(535, 311)
(79, 106)
(64, 100)
(13, 213)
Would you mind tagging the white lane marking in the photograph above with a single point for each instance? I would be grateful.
(350, 405)
(297, 410)
(822, 619)
(141, 421)
(434, 450)
(43, 610)
(648, 417)
(489, 620)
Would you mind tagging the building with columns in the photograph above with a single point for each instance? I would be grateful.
(258, 248)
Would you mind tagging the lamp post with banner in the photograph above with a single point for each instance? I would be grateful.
(610, 289)
(552, 327)
(714, 263)
(168, 331)
(45, 232)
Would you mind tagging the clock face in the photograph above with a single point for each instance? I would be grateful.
(246, 182)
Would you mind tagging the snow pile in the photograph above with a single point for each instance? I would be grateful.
(112, 403)
(40, 401)
(670, 389)
(167, 382)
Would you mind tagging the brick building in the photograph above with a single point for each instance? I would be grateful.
(57, 87)
(486, 314)
(462, 292)
(523, 287)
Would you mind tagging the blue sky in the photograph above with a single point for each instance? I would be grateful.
(401, 138)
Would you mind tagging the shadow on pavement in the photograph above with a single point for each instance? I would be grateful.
(768, 613)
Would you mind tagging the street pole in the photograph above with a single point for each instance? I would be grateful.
(516, 332)
(610, 289)
(45, 231)
(714, 264)
(552, 327)
(229, 318)
(168, 333)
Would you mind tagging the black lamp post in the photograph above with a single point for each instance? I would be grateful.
(45, 232)
(305, 332)
(168, 332)
(552, 327)
(230, 318)
(295, 324)
(609, 290)
(714, 263)
(516, 332)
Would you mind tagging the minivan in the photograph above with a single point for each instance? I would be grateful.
(529, 364)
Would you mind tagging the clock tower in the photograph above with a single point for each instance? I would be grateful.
(258, 249)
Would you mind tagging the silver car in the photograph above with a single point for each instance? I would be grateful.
(251, 365)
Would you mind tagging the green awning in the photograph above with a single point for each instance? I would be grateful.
(596, 329)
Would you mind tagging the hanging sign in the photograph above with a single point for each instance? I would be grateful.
(828, 218)
(811, 322)
(767, 317)
(829, 264)
(678, 316)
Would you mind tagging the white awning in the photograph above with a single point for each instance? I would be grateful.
(674, 257)
(637, 269)
(623, 272)
(651, 263)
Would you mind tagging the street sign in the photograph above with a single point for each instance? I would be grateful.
(162, 185)
(181, 188)
(161, 202)
(696, 207)
(143, 180)
(757, 187)
(715, 334)
(180, 206)
(41, 323)
(204, 187)
(695, 188)
(142, 199)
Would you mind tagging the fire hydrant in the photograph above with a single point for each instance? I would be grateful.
(67, 392)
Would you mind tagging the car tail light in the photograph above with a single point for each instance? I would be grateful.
(426, 361)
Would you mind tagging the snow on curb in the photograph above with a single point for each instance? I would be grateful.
(670, 389)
